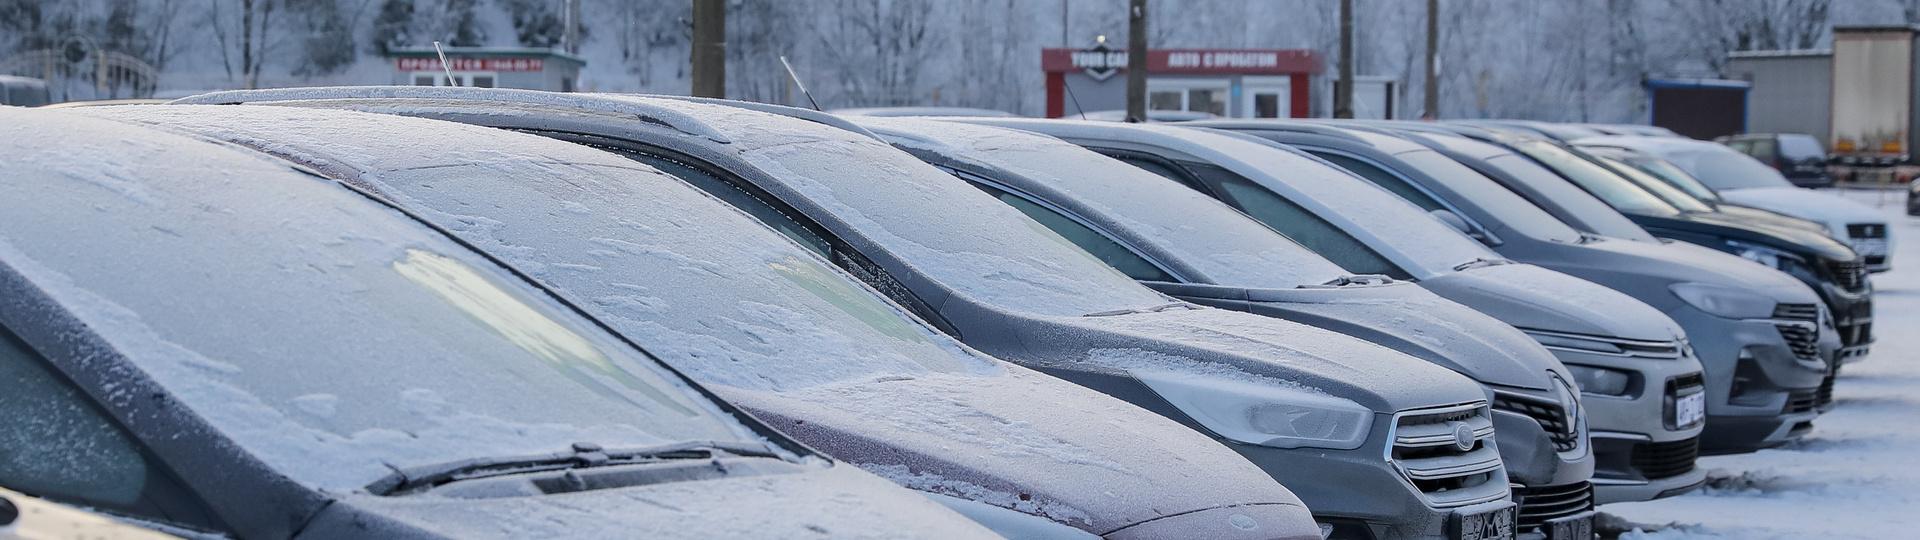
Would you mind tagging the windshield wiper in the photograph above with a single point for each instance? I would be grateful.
(1150, 309)
(1480, 263)
(582, 455)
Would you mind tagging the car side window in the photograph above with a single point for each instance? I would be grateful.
(1300, 225)
(1382, 178)
(1103, 248)
(57, 444)
(1765, 150)
(1158, 167)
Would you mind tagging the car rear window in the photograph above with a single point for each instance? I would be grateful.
(1801, 148)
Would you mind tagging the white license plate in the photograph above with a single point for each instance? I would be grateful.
(1689, 409)
(1872, 246)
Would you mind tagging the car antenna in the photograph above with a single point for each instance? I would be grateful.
(444, 64)
(1076, 99)
(796, 82)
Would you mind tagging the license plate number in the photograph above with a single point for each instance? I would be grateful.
(1689, 409)
(1871, 246)
(1573, 528)
(1489, 525)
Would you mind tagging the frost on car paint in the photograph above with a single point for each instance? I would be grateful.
(267, 349)
(760, 320)
(271, 305)
(1219, 239)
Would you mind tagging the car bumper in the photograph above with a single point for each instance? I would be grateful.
(1359, 494)
(1759, 394)
(1637, 449)
(1851, 318)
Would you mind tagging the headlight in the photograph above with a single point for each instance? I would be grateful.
(1600, 381)
(1729, 302)
(1266, 412)
(1774, 258)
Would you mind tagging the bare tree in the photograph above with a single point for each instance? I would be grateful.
(879, 49)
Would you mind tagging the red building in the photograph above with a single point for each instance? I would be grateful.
(1240, 83)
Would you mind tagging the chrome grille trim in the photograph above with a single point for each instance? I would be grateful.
(1423, 449)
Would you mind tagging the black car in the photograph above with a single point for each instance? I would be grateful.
(1797, 155)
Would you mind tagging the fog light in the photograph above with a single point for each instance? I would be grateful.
(1600, 381)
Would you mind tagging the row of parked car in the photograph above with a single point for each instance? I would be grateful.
(461, 312)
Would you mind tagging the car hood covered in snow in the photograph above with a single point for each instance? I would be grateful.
(762, 322)
(1535, 298)
(1239, 345)
(836, 502)
(1405, 318)
(1833, 210)
(1644, 270)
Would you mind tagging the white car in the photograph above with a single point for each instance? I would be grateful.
(1742, 180)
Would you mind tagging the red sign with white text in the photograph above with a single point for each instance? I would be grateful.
(1189, 61)
(471, 64)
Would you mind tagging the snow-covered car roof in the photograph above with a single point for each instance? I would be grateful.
(1213, 241)
(759, 319)
(881, 194)
(1346, 202)
(919, 111)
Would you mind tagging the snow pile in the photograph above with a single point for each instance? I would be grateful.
(1853, 477)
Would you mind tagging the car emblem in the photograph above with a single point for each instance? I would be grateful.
(1462, 436)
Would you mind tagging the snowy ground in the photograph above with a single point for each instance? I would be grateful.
(1858, 474)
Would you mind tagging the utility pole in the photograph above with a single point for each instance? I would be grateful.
(1065, 26)
(572, 34)
(1136, 60)
(710, 48)
(1343, 88)
(1433, 61)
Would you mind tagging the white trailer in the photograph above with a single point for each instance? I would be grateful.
(1873, 94)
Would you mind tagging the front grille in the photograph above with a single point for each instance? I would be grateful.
(1551, 416)
(1823, 397)
(1683, 382)
(1876, 260)
(1427, 453)
(1797, 312)
(1855, 323)
(1866, 230)
(1666, 459)
(1538, 505)
(1851, 275)
(1800, 401)
(1803, 338)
